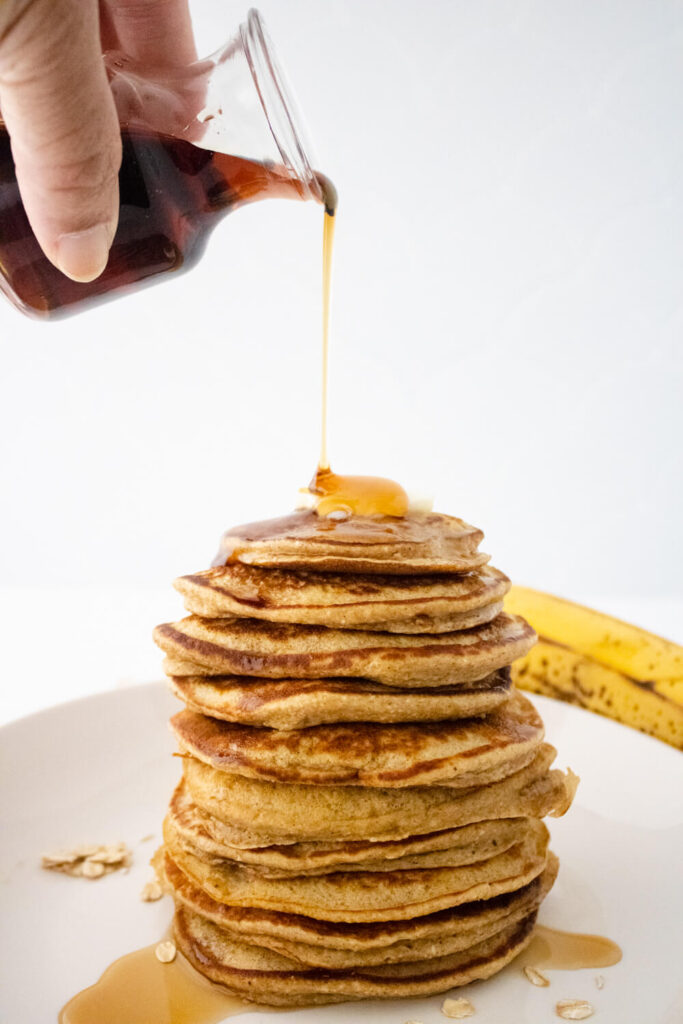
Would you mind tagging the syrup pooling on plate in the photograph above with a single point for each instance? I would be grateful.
(139, 989)
(568, 951)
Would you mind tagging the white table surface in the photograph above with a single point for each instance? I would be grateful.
(61, 644)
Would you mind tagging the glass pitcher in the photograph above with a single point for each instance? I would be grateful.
(198, 142)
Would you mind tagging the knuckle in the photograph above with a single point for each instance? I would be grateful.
(34, 43)
(26, 26)
(140, 9)
(75, 185)
(90, 173)
(77, 160)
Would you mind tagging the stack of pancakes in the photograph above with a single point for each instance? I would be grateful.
(362, 793)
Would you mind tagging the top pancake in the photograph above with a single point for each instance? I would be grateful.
(415, 543)
(403, 604)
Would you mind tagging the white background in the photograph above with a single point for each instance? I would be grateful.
(506, 337)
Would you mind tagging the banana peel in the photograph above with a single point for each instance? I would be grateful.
(600, 663)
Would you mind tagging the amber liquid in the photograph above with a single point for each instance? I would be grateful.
(138, 989)
(329, 222)
(568, 951)
(172, 195)
(357, 495)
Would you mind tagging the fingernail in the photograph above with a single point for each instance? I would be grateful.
(83, 255)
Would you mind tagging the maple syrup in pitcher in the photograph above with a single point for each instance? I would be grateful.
(198, 142)
(172, 195)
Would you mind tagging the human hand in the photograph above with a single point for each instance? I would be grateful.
(60, 115)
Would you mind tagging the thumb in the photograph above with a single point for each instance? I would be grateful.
(60, 115)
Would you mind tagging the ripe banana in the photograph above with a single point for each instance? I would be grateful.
(588, 658)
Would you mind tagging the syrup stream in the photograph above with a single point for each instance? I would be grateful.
(328, 244)
(360, 495)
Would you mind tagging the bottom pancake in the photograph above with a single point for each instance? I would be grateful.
(263, 976)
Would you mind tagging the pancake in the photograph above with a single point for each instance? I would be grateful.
(368, 895)
(416, 543)
(272, 929)
(268, 977)
(209, 839)
(463, 753)
(404, 604)
(334, 959)
(198, 646)
(257, 813)
(189, 830)
(298, 703)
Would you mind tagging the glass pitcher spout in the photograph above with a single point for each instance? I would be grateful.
(236, 102)
(199, 141)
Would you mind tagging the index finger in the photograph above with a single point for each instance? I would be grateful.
(153, 31)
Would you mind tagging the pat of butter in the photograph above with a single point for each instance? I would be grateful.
(306, 499)
(420, 503)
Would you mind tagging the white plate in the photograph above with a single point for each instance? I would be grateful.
(100, 770)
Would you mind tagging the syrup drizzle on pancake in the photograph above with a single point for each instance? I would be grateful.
(356, 495)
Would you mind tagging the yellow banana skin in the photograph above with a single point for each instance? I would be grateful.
(602, 664)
